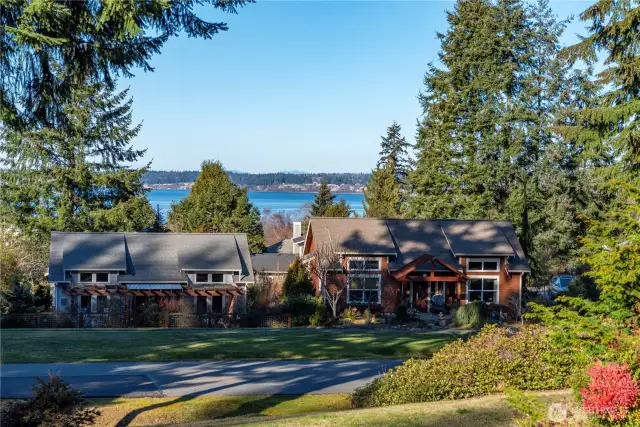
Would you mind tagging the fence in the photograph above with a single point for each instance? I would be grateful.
(163, 320)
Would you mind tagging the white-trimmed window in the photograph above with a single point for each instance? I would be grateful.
(209, 278)
(483, 264)
(482, 289)
(364, 289)
(371, 264)
(94, 277)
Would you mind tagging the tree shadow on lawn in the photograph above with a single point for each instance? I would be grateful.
(260, 378)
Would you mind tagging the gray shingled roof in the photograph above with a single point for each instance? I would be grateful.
(269, 262)
(282, 247)
(353, 235)
(146, 257)
(407, 239)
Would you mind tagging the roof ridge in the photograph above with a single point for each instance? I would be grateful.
(148, 233)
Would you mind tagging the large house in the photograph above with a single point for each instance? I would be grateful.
(385, 262)
(89, 270)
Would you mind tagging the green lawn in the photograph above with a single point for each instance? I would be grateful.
(162, 411)
(311, 410)
(28, 345)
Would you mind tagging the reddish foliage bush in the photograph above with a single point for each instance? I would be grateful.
(611, 393)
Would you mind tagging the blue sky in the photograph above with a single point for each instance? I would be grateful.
(304, 85)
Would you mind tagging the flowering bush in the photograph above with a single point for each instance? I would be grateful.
(611, 393)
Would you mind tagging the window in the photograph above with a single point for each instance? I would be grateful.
(94, 277)
(85, 302)
(64, 302)
(364, 264)
(492, 264)
(202, 277)
(217, 278)
(102, 277)
(101, 303)
(482, 289)
(364, 290)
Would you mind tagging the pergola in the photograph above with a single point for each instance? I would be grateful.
(106, 290)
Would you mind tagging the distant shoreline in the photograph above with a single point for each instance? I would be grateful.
(282, 188)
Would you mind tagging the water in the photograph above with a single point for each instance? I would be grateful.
(274, 201)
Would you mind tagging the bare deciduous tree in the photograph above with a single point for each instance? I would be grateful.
(328, 269)
(277, 226)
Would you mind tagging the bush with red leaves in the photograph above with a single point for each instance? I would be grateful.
(612, 392)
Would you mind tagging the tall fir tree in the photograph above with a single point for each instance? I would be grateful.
(76, 176)
(323, 200)
(49, 48)
(217, 205)
(614, 123)
(382, 195)
(487, 146)
(394, 150)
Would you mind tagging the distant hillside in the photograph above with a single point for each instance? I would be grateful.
(249, 179)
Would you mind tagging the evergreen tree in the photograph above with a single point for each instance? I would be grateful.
(216, 205)
(297, 280)
(456, 175)
(612, 249)
(49, 48)
(75, 176)
(323, 200)
(382, 196)
(158, 222)
(394, 150)
(613, 125)
(339, 210)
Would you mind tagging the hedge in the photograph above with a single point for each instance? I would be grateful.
(486, 363)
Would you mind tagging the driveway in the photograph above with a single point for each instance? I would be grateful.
(178, 379)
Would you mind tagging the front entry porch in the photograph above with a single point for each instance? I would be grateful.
(430, 284)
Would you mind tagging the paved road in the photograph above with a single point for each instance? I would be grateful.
(174, 379)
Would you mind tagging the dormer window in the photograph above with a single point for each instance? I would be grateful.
(102, 277)
(94, 277)
(209, 278)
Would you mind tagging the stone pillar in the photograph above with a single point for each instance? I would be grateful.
(209, 304)
(94, 304)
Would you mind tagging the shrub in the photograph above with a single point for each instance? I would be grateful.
(611, 393)
(402, 315)
(472, 315)
(53, 403)
(349, 313)
(150, 314)
(319, 318)
(493, 359)
(297, 281)
(528, 404)
(300, 307)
